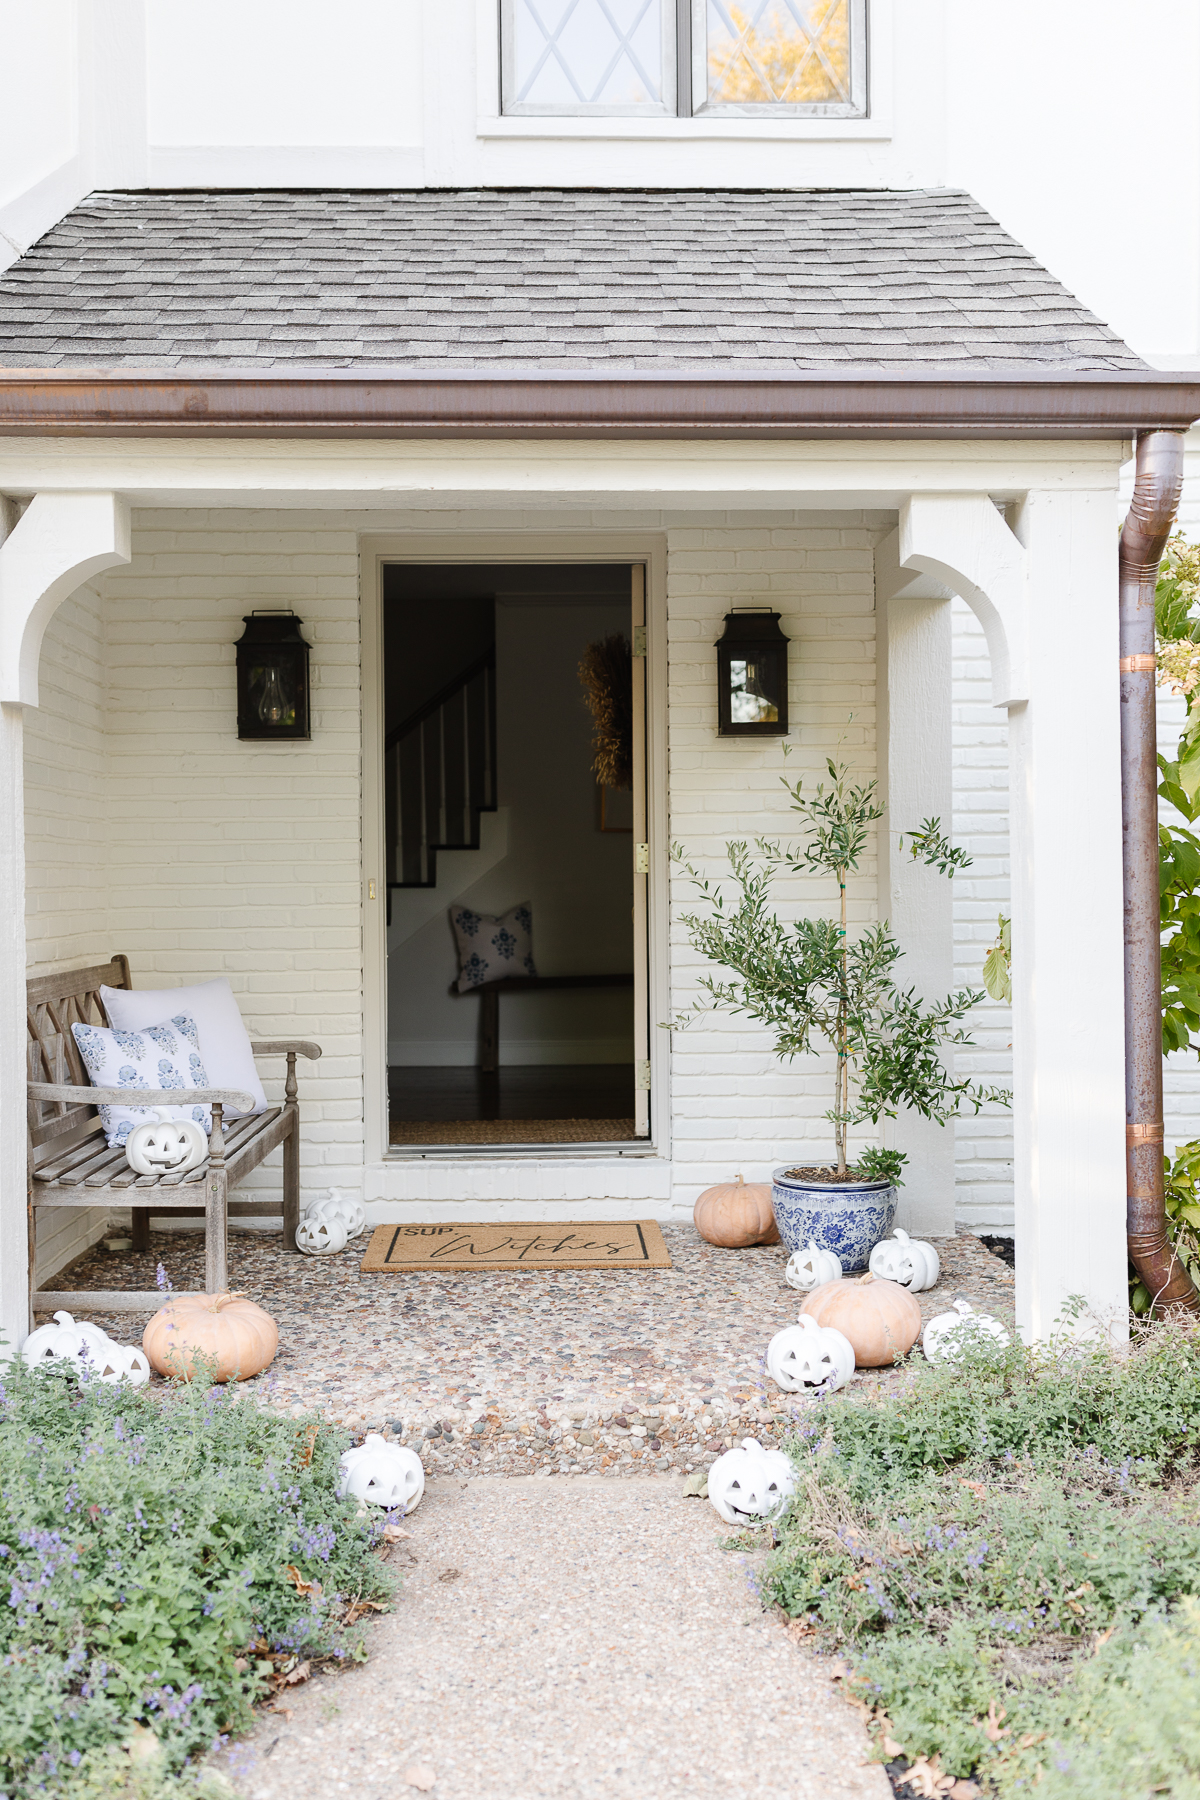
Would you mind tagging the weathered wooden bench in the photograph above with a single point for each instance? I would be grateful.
(489, 999)
(71, 1165)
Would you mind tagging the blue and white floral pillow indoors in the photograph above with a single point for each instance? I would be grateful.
(158, 1056)
(490, 948)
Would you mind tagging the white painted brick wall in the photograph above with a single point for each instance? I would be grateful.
(66, 919)
(735, 1106)
(239, 858)
(151, 829)
(983, 1144)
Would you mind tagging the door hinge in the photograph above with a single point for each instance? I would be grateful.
(641, 1077)
(639, 640)
(370, 890)
(641, 859)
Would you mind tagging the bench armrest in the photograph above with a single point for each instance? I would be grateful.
(108, 1096)
(287, 1047)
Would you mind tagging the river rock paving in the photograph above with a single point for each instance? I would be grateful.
(529, 1373)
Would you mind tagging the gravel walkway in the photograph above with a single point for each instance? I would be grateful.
(613, 1373)
(579, 1639)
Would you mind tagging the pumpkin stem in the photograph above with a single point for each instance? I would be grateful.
(863, 1279)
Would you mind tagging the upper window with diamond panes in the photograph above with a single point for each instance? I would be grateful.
(805, 58)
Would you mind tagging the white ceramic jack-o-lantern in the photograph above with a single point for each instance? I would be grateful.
(812, 1268)
(340, 1206)
(87, 1348)
(168, 1147)
(908, 1261)
(750, 1486)
(121, 1362)
(944, 1337)
(64, 1341)
(808, 1355)
(320, 1237)
(382, 1474)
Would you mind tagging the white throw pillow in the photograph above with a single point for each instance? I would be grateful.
(491, 948)
(224, 1043)
(163, 1055)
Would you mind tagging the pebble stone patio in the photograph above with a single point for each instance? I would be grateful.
(613, 1373)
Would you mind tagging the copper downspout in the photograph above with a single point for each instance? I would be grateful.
(1143, 538)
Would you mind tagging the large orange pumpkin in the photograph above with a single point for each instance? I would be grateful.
(881, 1319)
(736, 1213)
(224, 1333)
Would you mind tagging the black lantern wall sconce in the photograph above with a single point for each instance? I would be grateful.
(272, 677)
(752, 676)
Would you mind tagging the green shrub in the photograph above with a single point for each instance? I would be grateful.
(969, 1543)
(1125, 1722)
(164, 1554)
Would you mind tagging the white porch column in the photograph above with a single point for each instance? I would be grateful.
(914, 647)
(59, 542)
(1046, 595)
(14, 1295)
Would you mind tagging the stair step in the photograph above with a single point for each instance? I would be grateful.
(440, 776)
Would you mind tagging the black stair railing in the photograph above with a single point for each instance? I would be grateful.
(440, 775)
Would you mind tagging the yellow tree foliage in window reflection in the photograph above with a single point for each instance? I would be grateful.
(763, 54)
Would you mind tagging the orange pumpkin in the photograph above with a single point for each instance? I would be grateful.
(735, 1214)
(881, 1319)
(223, 1332)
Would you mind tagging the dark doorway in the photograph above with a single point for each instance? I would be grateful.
(510, 868)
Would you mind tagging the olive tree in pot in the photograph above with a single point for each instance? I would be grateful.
(817, 987)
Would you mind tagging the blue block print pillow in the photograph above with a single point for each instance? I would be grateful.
(158, 1056)
(491, 948)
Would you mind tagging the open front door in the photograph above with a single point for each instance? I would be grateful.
(514, 738)
(641, 865)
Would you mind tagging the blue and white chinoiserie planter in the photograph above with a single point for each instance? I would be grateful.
(847, 1217)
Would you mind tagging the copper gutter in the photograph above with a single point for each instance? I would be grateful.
(383, 402)
(1156, 492)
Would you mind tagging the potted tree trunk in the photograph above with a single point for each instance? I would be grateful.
(816, 988)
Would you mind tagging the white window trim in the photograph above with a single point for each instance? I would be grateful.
(716, 126)
(684, 54)
(709, 128)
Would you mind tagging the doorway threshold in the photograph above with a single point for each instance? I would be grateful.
(522, 1152)
(493, 1131)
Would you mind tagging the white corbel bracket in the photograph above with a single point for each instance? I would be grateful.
(59, 542)
(961, 541)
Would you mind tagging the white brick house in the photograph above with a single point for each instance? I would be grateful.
(860, 406)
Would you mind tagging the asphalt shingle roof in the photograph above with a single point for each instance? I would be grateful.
(750, 282)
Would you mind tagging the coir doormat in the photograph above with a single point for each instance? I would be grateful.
(637, 1244)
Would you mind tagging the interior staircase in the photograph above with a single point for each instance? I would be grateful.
(440, 775)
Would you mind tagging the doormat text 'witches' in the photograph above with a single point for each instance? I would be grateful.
(633, 1244)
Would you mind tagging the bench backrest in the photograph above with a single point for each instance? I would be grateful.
(55, 1003)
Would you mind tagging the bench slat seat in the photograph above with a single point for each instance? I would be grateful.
(71, 1165)
(69, 1186)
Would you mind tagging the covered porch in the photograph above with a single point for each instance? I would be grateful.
(135, 821)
